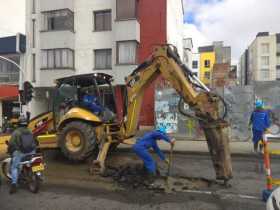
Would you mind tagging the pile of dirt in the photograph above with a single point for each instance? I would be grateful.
(134, 176)
(129, 176)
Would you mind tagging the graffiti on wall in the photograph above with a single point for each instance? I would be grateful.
(240, 102)
(166, 109)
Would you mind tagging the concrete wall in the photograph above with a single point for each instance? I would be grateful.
(240, 102)
(270, 92)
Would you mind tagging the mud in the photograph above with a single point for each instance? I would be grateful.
(129, 173)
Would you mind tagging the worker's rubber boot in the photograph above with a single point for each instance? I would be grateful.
(13, 188)
(150, 178)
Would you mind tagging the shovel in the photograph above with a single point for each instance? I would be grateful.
(168, 180)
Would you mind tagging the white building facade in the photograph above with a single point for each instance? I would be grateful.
(261, 62)
(66, 37)
(196, 63)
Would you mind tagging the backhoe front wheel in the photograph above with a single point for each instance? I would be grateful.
(77, 140)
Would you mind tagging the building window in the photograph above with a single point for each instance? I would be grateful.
(33, 68)
(265, 48)
(278, 48)
(278, 74)
(33, 6)
(278, 60)
(264, 73)
(207, 63)
(33, 34)
(207, 75)
(265, 60)
(102, 20)
(195, 64)
(57, 59)
(103, 59)
(58, 20)
(126, 9)
(126, 52)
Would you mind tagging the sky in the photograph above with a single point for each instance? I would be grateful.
(12, 17)
(236, 22)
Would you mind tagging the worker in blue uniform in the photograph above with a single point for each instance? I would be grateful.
(260, 122)
(149, 140)
(92, 103)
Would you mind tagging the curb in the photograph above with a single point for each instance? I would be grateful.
(198, 153)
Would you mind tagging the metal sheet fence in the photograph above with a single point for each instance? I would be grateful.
(240, 102)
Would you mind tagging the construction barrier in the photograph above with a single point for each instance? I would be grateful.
(270, 182)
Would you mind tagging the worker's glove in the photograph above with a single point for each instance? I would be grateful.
(172, 142)
(166, 161)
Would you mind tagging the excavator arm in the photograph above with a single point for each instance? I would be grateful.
(166, 62)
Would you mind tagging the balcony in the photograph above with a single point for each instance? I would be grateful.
(127, 30)
(57, 39)
(51, 5)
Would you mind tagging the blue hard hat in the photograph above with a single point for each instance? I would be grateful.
(162, 129)
(259, 103)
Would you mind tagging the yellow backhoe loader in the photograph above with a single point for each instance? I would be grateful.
(78, 131)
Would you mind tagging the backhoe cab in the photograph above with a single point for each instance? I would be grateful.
(80, 105)
(83, 103)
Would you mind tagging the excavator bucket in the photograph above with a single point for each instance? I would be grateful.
(218, 145)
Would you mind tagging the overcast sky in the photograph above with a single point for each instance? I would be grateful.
(12, 17)
(236, 22)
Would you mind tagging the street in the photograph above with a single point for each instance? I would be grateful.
(69, 186)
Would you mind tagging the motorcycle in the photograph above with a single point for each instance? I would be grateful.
(30, 171)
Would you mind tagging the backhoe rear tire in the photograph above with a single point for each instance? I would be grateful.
(77, 140)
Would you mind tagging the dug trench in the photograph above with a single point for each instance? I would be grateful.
(124, 171)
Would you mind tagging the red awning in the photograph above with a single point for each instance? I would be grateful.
(8, 92)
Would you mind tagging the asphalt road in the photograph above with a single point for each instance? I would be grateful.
(69, 186)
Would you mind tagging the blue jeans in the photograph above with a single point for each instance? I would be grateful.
(16, 159)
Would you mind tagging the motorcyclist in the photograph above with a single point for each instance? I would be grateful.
(21, 144)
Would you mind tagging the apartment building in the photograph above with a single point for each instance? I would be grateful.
(243, 66)
(12, 48)
(187, 51)
(214, 56)
(66, 37)
(196, 64)
(207, 60)
(261, 61)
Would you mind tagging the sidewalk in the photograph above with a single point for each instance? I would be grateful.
(200, 147)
